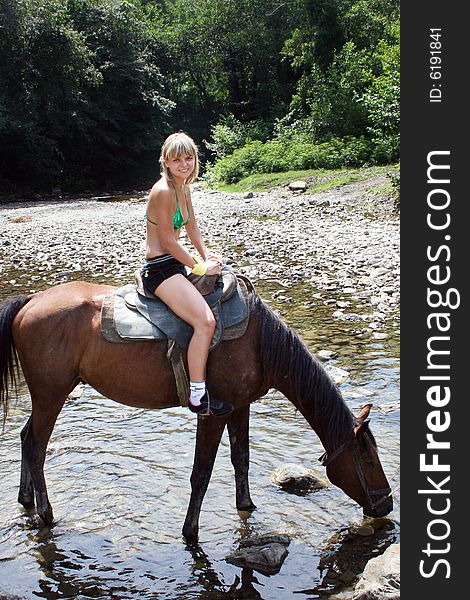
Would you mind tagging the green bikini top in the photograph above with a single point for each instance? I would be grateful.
(178, 220)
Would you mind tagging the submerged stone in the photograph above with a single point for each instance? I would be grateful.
(338, 375)
(296, 478)
(264, 554)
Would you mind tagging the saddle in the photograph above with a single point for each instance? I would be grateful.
(131, 314)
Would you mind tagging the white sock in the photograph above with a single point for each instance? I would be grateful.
(197, 389)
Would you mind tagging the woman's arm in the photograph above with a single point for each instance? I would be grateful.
(194, 233)
(160, 209)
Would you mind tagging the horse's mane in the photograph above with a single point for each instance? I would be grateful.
(283, 351)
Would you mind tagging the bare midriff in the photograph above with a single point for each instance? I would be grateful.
(154, 247)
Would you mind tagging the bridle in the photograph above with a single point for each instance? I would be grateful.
(326, 459)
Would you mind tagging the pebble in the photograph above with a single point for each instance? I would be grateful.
(298, 186)
(327, 354)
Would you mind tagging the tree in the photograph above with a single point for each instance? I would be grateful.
(82, 99)
(339, 56)
(224, 58)
(46, 67)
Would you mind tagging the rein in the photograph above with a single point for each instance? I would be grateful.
(326, 459)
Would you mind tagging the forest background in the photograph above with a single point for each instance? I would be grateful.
(89, 89)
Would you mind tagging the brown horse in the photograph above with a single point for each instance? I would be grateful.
(57, 337)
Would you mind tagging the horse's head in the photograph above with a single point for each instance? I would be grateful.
(355, 468)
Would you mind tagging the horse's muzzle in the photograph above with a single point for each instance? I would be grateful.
(380, 505)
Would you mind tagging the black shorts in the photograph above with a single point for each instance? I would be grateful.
(157, 269)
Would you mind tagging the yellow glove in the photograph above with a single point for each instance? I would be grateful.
(199, 268)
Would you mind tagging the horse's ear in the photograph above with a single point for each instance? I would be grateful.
(359, 429)
(365, 410)
(361, 421)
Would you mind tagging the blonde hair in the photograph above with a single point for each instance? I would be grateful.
(175, 145)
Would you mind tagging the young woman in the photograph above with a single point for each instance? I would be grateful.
(170, 208)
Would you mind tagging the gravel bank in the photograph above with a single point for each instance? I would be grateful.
(342, 243)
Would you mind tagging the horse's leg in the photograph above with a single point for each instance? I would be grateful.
(35, 442)
(26, 493)
(238, 426)
(209, 432)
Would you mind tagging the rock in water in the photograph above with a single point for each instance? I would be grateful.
(326, 354)
(76, 392)
(381, 577)
(363, 530)
(264, 554)
(337, 375)
(295, 478)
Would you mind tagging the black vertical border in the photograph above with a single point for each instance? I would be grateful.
(426, 127)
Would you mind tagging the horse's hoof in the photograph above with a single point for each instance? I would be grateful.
(47, 516)
(191, 536)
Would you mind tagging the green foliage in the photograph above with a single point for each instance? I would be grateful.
(81, 95)
(90, 88)
(223, 57)
(382, 98)
(230, 133)
(344, 92)
(45, 66)
(278, 156)
(127, 113)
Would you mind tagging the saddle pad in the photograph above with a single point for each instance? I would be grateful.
(153, 320)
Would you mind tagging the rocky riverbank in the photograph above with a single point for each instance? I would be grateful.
(340, 246)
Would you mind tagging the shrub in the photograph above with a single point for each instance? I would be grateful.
(280, 155)
(395, 179)
(386, 149)
(229, 134)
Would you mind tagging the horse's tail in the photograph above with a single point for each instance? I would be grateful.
(8, 357)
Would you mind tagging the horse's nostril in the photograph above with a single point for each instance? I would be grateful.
(380, 510)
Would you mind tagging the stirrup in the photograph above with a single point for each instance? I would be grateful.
(211, 407)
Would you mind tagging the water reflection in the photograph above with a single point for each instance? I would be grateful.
(65, 571)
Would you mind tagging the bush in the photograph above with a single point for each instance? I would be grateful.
(386, 149)
(229, 134)
(284, 155)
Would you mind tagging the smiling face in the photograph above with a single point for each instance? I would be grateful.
(179, 158)
(181, 167)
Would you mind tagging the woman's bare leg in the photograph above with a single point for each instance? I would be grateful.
(185, 301)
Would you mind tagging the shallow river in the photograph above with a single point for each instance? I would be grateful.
(118, 480)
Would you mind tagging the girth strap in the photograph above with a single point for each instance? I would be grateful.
(175, 357)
